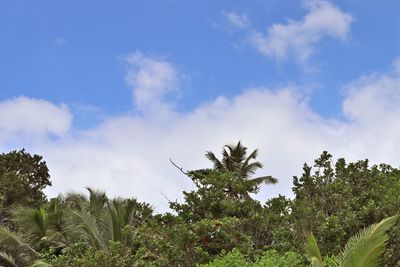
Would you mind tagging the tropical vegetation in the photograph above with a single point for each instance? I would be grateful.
(342, 214)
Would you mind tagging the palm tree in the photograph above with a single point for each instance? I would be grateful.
(235, 159)
(96, 220)
(361, 250)
(93, 220)
(38, 229)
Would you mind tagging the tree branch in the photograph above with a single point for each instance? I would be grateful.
(179, 168)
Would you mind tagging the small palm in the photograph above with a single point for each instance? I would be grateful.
(235, 159)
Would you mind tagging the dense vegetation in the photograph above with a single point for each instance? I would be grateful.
(342, 214)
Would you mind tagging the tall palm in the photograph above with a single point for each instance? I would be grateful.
(235, 159)
(361, 250)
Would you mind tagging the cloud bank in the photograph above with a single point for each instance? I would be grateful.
(128, 155)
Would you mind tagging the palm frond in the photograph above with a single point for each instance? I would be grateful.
(331, 262)
(251, 168)
(216, 162)
(57, 221)
(40, 263)
(97, 201)
(112, 222)
(227, 160)
(32, 222)
(9, 239)
(237, 153)
(313, 252)
(129, 211)
(83, 226)
(253, 156)
(263, 179)
(7, 259)
(366, 246)
(16, 246)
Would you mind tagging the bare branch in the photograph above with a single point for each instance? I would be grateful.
(179, 168)
(165, 196)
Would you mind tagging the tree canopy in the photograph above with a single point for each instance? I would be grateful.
(22, 180)
(342, 214)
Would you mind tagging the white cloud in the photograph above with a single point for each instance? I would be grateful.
(129, 155)
(372, 107)
(34, 117)
(151, 80)
(297, 38)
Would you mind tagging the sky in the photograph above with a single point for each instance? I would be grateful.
(109, 91)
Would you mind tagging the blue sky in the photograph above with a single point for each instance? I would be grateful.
(89, 83)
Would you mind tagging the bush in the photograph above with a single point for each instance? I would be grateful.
(270, 258)
(80, 255)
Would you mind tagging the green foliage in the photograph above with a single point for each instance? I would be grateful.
(232, 259)
(335, 200)
(216, 224)
(313, 251)
(270, 258)
(365, 247)
(273, 258)
(181, 244)
(22, 179)
(361, 250)
(213, 197)
(80, 255)
(15, 250)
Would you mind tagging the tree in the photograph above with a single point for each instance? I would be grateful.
(335, 199)
(93, 221)
(235, 159)
(212, 197)
(22, 180)
(362, 249)
(96, 220)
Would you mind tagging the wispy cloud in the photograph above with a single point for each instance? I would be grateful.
(236, 20)
(298, 38)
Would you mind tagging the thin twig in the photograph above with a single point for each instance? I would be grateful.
(179, 168)
(165, 196)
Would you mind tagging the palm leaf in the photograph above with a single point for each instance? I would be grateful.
(253, 155)
(16, 246)
(7, 259)
(129, 211)
(237, 153)
(32, 222)
(313, 252)
(227, 160)
(263, 179)
(216, 162)
(57, 221)
(251, 168)
(331, 262)
(112, 222)
(365, 247)
(97, 201)
(40, 263)
(84, 226)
